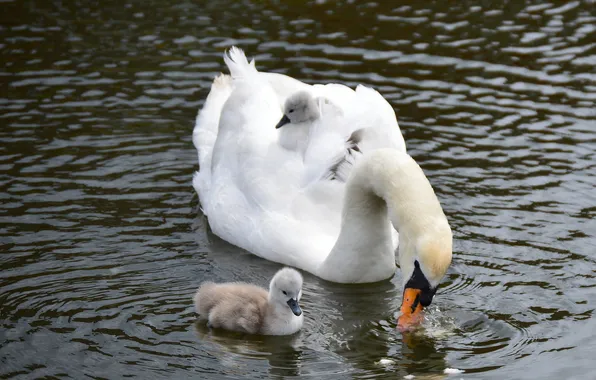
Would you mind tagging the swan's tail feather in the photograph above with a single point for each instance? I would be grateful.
(221, 81)
(205, 133)
(237, 63)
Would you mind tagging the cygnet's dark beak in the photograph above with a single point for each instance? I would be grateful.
(284, 120)
(293, 304)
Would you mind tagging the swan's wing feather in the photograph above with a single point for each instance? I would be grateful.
(284, 86)
(377, 121)
(365, 122)
(328, 145)
(323, 156)
(338, 94)
(205, 133)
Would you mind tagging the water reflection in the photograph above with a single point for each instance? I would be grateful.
(282, 353)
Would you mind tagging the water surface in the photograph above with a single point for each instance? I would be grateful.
(103, 243)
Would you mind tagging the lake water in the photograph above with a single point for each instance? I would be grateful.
(103, 243)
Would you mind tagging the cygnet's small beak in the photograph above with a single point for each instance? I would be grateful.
(293, 304)
(411, 309)
(284, 120)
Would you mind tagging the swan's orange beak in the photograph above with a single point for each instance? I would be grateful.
(411, 309)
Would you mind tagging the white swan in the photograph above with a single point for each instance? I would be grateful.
(253, 190)
(250, 308)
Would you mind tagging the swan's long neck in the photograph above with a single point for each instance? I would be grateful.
(386, 187)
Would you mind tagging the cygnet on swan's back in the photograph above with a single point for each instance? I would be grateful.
(249, 308)
(300, 112)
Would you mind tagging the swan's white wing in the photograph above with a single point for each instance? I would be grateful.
(376, 122)
(365, 122)
(284, 86)
(205, 133)
(328, 145)
(339, 94)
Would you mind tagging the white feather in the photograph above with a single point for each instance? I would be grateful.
(281, 205)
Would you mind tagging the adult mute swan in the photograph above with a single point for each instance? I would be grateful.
(253, 192)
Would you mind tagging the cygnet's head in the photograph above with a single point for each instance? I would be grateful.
(286, 289)
(301, 107)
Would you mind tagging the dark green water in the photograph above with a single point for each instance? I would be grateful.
(102, 244)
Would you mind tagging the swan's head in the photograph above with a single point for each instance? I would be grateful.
(423, 267)
(299, 108)
(286, 289)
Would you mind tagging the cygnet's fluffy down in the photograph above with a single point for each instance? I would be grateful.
(249, 308)
(301, 112)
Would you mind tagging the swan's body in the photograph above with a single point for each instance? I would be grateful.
(249, 308)
(281, 204)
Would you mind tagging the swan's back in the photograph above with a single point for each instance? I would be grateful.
(254, 191)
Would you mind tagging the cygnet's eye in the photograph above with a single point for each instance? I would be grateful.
(284, 292)
(290, 111)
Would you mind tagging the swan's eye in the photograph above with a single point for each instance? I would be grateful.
(284, 292)
(290, 111)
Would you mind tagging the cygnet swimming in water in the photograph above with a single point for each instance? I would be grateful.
(251, 309)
